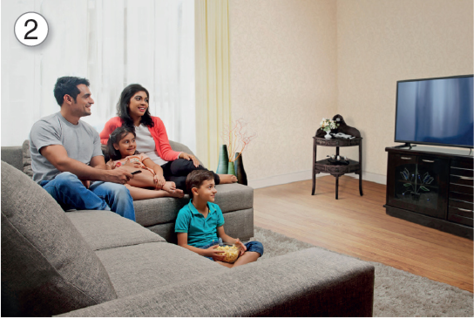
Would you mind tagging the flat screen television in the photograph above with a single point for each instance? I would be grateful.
(435, 111)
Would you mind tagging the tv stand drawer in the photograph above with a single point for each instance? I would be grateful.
(461, 215)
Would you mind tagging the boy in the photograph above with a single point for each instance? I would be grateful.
(200, 223)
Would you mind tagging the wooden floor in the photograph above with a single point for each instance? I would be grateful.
(358, 226)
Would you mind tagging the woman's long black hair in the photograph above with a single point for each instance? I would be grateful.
(124, 101)
(114, 138)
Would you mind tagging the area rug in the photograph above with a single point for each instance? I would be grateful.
(397, 293)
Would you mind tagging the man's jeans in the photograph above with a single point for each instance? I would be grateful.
(70, 193)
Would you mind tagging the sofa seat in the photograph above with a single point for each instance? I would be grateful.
(139, 268)
(229, 197)
(235, 201)
(136, 259)
(104, 229)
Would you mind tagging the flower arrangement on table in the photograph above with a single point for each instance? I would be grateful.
(327, 125)
(236, 140)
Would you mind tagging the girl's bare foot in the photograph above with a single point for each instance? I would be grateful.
(227, 178)
(169, 186)
(178, 193)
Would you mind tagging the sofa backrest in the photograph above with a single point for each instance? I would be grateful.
(13, 155)
(47, 266)
(19, 156)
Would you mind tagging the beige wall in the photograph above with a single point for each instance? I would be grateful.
(383, 41)
(296, 61)
(283, 79)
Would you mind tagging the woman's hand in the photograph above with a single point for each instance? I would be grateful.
(241, 246)
(188, 157)
(159, 181)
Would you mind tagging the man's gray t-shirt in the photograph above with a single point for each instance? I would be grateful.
(81, 141)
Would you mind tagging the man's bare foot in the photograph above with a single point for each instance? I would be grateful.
(227, 178)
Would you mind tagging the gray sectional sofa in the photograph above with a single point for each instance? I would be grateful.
(96, 263)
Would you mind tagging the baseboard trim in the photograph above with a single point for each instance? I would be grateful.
(305, 175)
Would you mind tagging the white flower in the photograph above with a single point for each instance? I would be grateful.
(328, 124)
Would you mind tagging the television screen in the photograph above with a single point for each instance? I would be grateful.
(435, 111)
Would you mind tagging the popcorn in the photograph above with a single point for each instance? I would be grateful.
(231, 253)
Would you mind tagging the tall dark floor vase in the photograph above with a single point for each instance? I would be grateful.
(223, 164)
(239, 170)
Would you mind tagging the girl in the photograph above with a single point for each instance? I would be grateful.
(150, 183)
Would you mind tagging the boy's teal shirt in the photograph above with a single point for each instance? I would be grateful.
(201, 231)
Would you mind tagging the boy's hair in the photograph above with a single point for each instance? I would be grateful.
(68, 85)
(196, 178)
(114, 138)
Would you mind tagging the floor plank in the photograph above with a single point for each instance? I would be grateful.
(358, 226)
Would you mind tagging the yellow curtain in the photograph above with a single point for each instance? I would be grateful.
(213, 112)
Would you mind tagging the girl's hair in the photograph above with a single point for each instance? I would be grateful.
(115, 138)
(124, 101)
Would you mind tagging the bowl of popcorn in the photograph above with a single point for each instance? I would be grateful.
(231, 252)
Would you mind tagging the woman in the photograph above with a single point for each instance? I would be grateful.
(151, 137)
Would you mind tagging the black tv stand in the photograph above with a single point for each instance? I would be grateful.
(405, 145)
(432, 187)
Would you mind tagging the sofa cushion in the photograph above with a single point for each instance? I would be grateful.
(27, 158)
(13, 155)
(47, 267)
(232, 197)
(229, 197)
(105, 229)
(135, 269)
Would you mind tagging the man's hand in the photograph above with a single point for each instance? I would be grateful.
(118, 175)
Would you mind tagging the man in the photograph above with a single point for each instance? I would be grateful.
(66, 156)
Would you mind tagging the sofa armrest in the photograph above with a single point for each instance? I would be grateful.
(311, 282)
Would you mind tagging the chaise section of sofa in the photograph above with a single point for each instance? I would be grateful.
(159, 214)
(311, 282)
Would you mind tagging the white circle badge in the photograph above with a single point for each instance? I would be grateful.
(31, 29)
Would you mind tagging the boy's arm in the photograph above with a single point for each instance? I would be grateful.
(209, 252)
(225, 238)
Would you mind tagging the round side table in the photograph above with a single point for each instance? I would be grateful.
(337, 169)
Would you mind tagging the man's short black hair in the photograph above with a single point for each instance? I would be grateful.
(68, 85)
(196, 178)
